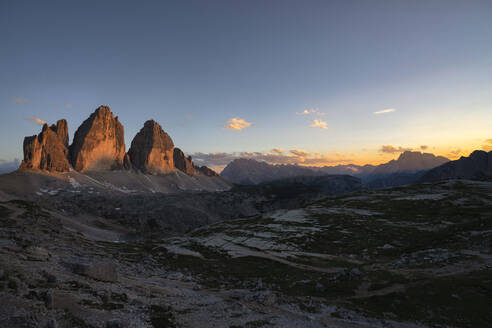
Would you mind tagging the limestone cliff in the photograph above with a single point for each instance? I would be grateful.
(152, 150)
(98, 144)
(47, 151)
(183, 163)
(61, 130)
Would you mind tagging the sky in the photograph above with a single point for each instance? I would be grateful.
(306, 82)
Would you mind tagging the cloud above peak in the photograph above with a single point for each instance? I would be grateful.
(389, 149)
(385, 111)
(237, 124)
(487, 146)
(277, 150)
(318, 124)
(37, 120)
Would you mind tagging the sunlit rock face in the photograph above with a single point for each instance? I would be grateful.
(98, 144)
(152, 150)
(183, 163)
(61, 130)
(47, 151)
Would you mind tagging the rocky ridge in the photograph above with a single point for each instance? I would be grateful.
(183, 163)
(99, 146)
(206, 171)
(477, 166)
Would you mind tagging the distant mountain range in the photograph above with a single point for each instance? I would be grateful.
(249, 171)
(408, 168)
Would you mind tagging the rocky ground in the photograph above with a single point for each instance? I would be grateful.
(415, 256)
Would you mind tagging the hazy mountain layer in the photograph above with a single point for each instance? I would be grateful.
(408, 168)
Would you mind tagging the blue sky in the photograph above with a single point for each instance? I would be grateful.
(194, 65)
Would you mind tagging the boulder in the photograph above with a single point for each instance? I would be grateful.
(152, 150)
(98, 144)
(99, 271)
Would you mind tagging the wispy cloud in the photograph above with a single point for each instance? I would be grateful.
(318, 124)
(454, 153)
(300, 153)
(20, 100)
(237, 124)
(37, 120)
(310, 111)
(385, 111)
(487, 146)
(424, 147)
(392, 149)
(277, 150)
(68, 106)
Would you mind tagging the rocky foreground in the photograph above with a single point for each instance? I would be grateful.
(416, 256)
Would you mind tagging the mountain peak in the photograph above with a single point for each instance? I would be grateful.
(411, 161)
(46, 151)
(476, 166)
(103, 110)
(152, 149)
(98, 144)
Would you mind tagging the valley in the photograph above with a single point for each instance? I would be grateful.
(414, 256)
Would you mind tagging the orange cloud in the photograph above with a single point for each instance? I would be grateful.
(277, 150)
(299, 153)
(20, 100)
(389, 149)
(488, 145)
(318, 124)
(237, 124)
